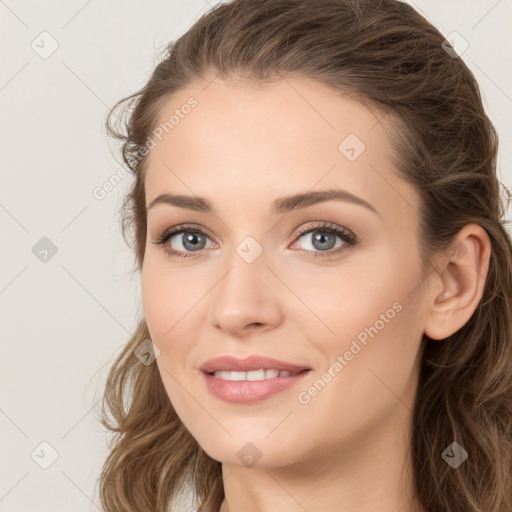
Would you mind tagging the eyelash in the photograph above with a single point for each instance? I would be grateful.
(349, 239)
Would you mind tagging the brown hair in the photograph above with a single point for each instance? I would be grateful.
(386, 55)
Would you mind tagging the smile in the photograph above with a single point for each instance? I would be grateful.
(253, 375)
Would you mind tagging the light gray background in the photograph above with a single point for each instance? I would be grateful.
(63, 319)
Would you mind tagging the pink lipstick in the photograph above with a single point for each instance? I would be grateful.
(250, 380)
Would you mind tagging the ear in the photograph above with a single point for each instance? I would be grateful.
(457, 286)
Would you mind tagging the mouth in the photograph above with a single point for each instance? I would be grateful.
(250, 380)
(255, 375)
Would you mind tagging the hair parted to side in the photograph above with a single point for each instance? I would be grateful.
(385, 54)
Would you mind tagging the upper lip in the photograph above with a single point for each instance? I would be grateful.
(229, 363)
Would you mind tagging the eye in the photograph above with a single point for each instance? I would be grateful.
(188, 239)
(320, 240)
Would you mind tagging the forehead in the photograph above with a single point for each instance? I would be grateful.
(272, 140)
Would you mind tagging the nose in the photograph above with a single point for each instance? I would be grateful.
(246, 299)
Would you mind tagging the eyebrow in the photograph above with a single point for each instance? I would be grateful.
(279, 205)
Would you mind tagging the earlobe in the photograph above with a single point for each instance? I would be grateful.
(457, 286)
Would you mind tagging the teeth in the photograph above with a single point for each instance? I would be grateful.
(253, 375)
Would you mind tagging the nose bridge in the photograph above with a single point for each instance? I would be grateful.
(244, 295)
(246, 273)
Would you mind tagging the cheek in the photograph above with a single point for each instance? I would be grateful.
(376, 374)
(171, 301)
(352, 298)
(377, 334)
(166, 295)
(165, 301)
(371, 319)
(155, 296)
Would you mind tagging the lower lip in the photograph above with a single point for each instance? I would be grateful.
(249, 391)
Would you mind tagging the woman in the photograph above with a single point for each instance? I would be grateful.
(326, 276)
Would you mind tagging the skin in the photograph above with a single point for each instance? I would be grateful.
(242, 147)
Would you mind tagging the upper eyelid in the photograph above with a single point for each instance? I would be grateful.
(298, 231)
(324, 225)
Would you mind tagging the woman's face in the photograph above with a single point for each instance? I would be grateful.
(334, 286)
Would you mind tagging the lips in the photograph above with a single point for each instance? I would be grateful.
(252, 363)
